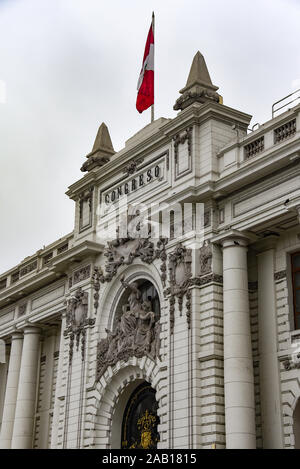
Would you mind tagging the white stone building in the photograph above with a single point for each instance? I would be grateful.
(185, 342)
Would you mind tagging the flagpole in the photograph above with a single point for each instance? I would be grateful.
(152, 107)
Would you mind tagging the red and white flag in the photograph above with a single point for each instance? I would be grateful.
(145, 96)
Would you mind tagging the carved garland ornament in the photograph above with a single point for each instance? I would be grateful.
(76, 317)
(180, 139)
(180, 273)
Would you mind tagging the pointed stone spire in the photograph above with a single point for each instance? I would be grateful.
(102, 150)
(199, 87)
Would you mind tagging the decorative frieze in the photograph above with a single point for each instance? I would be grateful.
(81, 274)
(206, 279)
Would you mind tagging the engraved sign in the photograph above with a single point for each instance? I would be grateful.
(148, 177)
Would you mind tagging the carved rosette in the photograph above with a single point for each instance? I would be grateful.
(180, 281)
(77, 320)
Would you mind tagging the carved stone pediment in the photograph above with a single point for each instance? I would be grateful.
(137, 333)
(180, 273)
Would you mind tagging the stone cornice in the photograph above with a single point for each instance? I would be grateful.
(233, 235)
(76, 254)
(26, 286)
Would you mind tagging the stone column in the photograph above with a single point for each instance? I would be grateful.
(11, 390)
(268, 365)
(25, 408)
(238, 365)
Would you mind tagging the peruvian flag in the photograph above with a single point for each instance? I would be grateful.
(145, 96)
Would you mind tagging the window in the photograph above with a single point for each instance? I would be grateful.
(296, 287)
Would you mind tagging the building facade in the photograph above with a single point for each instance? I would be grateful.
(170, 320)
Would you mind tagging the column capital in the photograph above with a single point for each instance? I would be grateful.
(266, 244)
(17, 335)
(234, 238)
(31, 329)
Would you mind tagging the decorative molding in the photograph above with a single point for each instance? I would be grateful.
(162, 255)
(252, 286)
(123, 251)
(180, 272)
(85, 196)
(136, 334)
(180, 139)
(22, 309)
(132, 167)
(205, 279)
(201, 95)
(279, 275)
(81, 274)
(97, 274)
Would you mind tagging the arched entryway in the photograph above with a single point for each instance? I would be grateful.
(296, 418)
(140, 419)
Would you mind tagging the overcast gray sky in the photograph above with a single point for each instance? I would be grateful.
(68, 65)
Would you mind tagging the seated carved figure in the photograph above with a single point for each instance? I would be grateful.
(136, 333)
(145, 322)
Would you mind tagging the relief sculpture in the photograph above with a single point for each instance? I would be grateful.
(137, 332)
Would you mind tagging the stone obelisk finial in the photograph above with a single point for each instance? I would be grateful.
(199, 87)
(102, 150)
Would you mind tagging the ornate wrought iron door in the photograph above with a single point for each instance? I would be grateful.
(139, 427)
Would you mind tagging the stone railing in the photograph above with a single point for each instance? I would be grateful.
(260, 142)
(33, 265)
